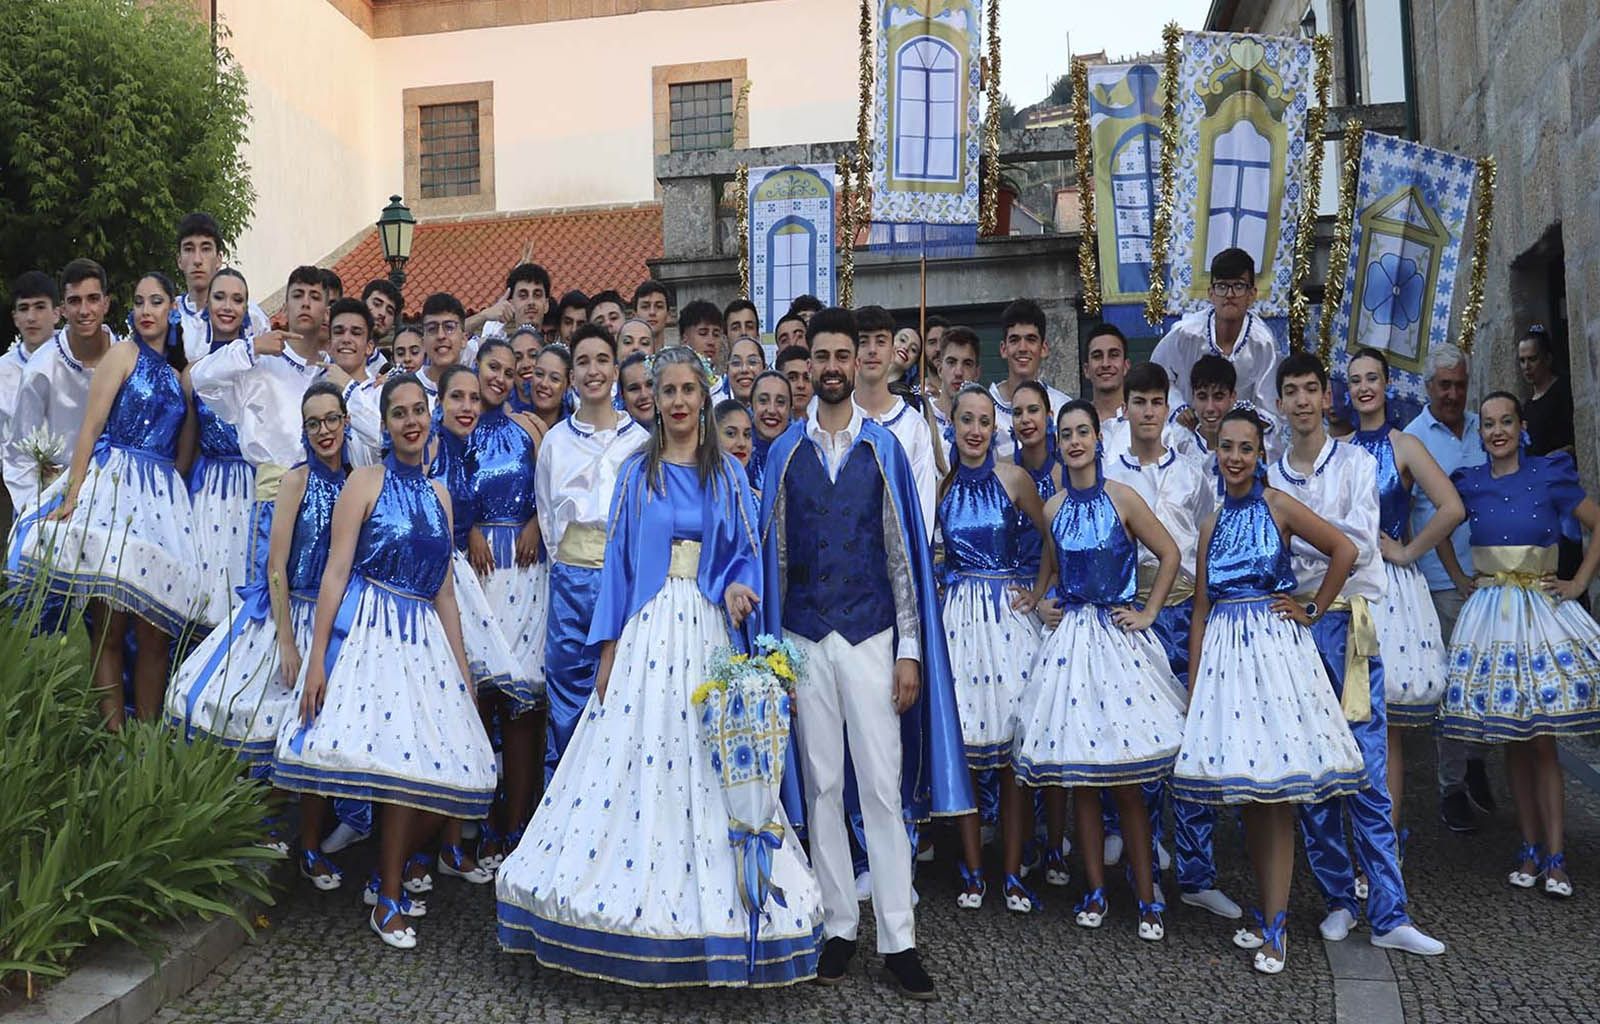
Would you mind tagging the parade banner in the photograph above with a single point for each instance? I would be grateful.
(925, 185)
(1241, 162)
(791, 236)
(1410, 219)
(1124, 110)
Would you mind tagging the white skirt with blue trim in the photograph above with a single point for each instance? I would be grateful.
(626, 872)
(1101, 708)
(1411, 646)
(992, 647)
(129, 540)
(397, 725)
(222, 492)
(489, 657)
(519, 595)
(1264, 724)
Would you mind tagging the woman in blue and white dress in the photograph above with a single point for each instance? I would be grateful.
(1265, 729)
(985, 512)
(1412, 649)
(237, 687)
(386, 706)
(597, 887)
(1101, 709)
(222, 486)
(115, 532)
(1524, 662)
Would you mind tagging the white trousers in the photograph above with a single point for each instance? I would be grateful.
(849, 689)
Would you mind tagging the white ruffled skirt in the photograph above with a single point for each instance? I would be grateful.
(489, 657)
(992, 648)
(222, 493)
(626, 872)
(1101, 707)
(397, 725)
(1412, 649)
(1264, 724)
(519, 596)
(129, 540)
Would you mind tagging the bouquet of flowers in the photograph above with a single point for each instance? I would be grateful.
(744, 719)
(46, 450)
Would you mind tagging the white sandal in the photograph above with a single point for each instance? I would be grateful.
(1087, 918)
(1528, 854)
(406, 938)
(1274, 952)
(450, 858)
(408, 906)
(328, 878)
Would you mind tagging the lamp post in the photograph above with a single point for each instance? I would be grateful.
(396, 226)
(1308, 24)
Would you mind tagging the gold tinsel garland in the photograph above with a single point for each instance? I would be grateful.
(1339, 248)
(1482, 229)
(741, 180)
(1310, 195)
(1156, 307)
(863, 165)
(847, 234)
(988, 210)
(1088, 241)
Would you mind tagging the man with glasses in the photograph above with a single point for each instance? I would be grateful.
(1228, 329)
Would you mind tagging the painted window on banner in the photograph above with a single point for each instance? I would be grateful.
(791, 261)
(1241, 189)
(927, 110)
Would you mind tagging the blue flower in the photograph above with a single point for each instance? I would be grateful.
(1393, 292)
(743, 756)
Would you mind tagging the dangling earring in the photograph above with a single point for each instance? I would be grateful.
(702, 442)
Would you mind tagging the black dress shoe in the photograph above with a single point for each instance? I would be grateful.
(905, 967)
(835, 960)
(1478, 786)
(1455, 810)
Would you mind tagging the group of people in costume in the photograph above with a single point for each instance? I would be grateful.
(455, 578)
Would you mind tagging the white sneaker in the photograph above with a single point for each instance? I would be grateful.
(925, 854)
(1213, 901)
(1336, 926)
(1113, 851)
(341, 837)
(1163, 858)
(864, 886)
(1408, 938)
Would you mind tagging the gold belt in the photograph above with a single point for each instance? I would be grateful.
(1514, 565)
(685, 561)
(582, 546)
(1360, 643)
(1182, 587)
(268, 476)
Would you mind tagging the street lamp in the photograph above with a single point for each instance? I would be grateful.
(396, 225)
(1308, 24)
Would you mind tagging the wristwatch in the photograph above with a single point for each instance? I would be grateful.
(1312, 611)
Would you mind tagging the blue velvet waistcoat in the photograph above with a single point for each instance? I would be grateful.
(838, 573)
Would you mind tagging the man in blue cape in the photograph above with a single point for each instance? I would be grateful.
(849, 579)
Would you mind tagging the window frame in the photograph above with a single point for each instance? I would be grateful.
(412, 101)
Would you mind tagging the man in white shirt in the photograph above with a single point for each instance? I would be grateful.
(1023, 345)
(200, 256)
(1339, 482)
(653, 305)
(35, 310)
(1228, 329)
(525, 301)
(53, 387)
(1105, 366)
(874, 361)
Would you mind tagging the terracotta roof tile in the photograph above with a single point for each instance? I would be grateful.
(586, 249)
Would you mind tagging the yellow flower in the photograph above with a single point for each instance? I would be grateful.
(779, 663)
(704, 690)
(738, 659)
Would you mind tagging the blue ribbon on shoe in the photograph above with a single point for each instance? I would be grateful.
(753, 853)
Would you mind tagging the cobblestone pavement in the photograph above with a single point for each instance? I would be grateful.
(1514, 956)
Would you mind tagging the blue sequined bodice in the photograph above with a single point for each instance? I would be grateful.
(218, 439)
(313, 523)
(453, 464)
(503, 474)
(149, 408)
(1247, 556)
(1096, 556)
(1030, 543)
(1394, 497)
(405, 542)
(978, 520)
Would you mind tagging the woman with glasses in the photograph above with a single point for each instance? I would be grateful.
(746, 360)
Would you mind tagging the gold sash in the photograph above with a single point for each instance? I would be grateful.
(268, 476)
(582, 546)
(1182, 587)
(685, 561)
(1514, 565)
(1360, 643)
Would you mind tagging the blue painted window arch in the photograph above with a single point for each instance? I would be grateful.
(791, 263)
(927, 115)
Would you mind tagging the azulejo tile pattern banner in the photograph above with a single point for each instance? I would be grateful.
(791, 236)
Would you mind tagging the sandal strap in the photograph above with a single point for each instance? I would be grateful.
(1530, 851)
(972, 877)
(452, 854)
(1157, 908)
(1272, 934)
(1555, 862)
(391, 908)
(314, 859)
(419, 860)
(1094, 897)
(1015, 887)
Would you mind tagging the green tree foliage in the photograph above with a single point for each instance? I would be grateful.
(116, 119)
(1060, 91)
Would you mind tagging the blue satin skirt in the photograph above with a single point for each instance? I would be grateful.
(570, 661)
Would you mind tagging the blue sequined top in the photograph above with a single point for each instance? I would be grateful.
(503, 471)
(1525, 507)
(979, 523)
(1096, 556)
(219, 439)
(405, 542)
(313, 525)
(1030, 545)
(453, 464)
(149, 408)
(1247, 556)
(1394, 497)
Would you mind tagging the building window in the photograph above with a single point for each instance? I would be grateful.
(927, 115)
(449, 150)
(791, 261)
(1241, 187)
(701, 115)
